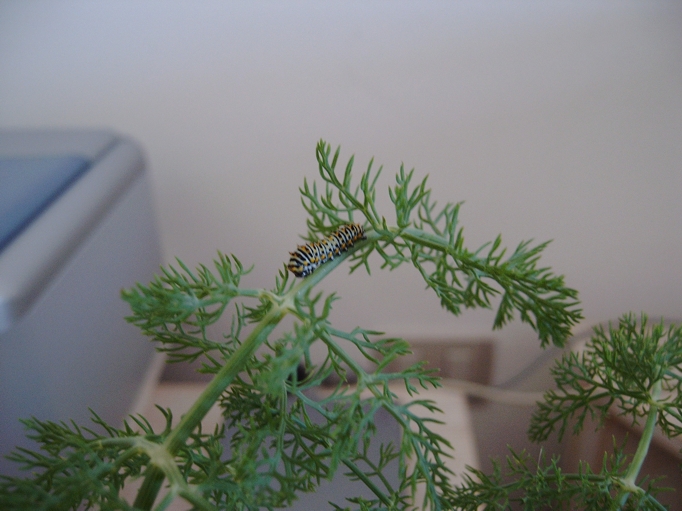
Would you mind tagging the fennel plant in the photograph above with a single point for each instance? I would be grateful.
(633, 370)
(276, 449)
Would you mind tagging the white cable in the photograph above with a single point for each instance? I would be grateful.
(497, 395)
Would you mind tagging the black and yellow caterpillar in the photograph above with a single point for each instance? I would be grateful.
(306, 258)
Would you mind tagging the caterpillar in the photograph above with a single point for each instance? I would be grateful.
(306, 258)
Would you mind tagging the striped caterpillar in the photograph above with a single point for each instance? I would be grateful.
(306, 258)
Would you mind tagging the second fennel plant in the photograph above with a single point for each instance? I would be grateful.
(632, 370)
(276, 449)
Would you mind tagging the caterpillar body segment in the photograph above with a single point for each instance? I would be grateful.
(307, 258)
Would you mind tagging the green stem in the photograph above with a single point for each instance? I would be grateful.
(425, 239)
(630, 479)
(368, 482)
(177, 438)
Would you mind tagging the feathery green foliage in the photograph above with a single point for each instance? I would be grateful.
(634, 371)
(278, 441)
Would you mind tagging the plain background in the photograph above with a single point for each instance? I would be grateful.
(552, 120)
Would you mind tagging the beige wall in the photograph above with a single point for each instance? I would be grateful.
(557, 120)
